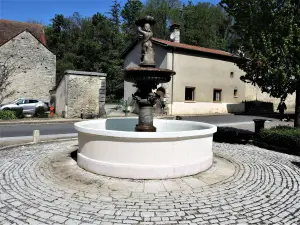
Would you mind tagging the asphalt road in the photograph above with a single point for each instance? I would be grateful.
(67, 128)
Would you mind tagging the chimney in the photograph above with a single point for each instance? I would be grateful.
(175, 33)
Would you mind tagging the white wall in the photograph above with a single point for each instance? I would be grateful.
(205, 74)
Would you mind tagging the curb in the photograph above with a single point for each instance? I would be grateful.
(51, 121)
(20, 122)
(27, 140)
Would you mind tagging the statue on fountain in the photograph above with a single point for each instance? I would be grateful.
(144, 28)
(146, 77)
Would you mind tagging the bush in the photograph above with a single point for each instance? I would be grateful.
(259, 107)
(7, 115)
(232, 135)
(284, 137)
(40, 112)
(18, 112)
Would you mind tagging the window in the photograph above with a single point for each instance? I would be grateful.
(189, 94)
(20, 101)
(217, 95)
(231, 74)
(235, 93)
(33, 101)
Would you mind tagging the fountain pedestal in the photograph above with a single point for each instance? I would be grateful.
(146, 79)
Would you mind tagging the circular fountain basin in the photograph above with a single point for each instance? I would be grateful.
(111, 147)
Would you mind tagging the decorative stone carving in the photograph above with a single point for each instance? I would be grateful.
(144, 28)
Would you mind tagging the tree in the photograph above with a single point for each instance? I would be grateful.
(115, 10)
(130, 13)
(268, 32)
(6, 71)
(89, 44)
(206, 25)
(164, 12)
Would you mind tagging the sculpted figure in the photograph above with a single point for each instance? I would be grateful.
(147, 57)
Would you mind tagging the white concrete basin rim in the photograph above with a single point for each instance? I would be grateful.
(206, 130)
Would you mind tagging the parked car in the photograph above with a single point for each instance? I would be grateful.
(29, 105)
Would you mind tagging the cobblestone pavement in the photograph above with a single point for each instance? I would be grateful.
(42, 184)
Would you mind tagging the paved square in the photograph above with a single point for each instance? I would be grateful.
(42, 184)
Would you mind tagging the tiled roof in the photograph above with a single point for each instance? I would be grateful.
(9, 29)
(191, 47)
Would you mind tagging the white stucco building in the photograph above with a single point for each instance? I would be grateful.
(206, 81)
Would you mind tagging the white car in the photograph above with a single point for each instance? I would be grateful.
(29, 105)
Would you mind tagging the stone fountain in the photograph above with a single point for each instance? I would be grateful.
(146, 77)
(143, 147)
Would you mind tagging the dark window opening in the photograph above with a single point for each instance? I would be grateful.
(235, 93)
(189, 94)
(217, 95)
(33, 101)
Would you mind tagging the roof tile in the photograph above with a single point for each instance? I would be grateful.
(191, 47)
(9, 29)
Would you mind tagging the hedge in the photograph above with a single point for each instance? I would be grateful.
(18, 112)
(232, 135)
(7, 115)
(285, 137)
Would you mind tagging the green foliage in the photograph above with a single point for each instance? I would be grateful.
(130, 13)
(89, 44)
(282, 136)
(7, 115)
(206, 25)
(232, 135)
(40, 112)
(268, 33)
(164, 12)
(18, 112)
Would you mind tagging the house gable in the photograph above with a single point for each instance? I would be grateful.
(34, 66)
(28, 34)
(10, 29)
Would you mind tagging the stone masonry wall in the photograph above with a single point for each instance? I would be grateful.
(253, 93)
(84, 93)
(35, 67)
(60, 97)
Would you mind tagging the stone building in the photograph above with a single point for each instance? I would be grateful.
(206, 80)
(23, 49)
(80, 92)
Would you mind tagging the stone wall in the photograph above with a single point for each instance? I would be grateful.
(34, 67)
(61, 97)
(80, 92)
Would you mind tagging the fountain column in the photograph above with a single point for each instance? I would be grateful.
(145, 100)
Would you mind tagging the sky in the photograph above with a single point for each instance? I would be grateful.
(44, 10)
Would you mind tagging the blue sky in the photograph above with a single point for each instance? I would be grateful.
(44, 10)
